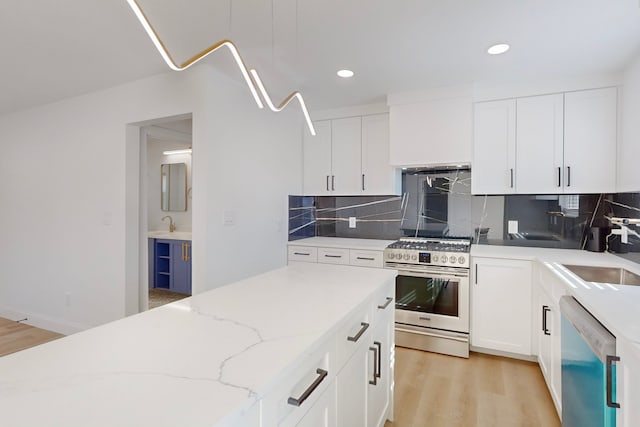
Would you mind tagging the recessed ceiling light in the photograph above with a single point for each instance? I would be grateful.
(497, 49)
(345, 73)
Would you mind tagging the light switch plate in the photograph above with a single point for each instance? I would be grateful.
(229, 218)
(513, 227)
(352, 222)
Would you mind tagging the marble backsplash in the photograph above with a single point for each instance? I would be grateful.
(441, 204)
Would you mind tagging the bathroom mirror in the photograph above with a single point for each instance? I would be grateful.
(173, 187)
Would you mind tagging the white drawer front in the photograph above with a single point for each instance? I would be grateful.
(366, 258)
(333, 256)
(355, 332)
(303, 253)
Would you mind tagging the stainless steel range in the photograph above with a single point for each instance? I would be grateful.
(432, 293)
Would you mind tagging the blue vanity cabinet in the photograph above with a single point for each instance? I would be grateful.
(171, 265)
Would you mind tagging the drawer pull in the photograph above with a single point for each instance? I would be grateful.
(379, 345)
(376, 360)
(333, 256)
(357, 336)
(545, 310)
(386, 304)
(322, 374)
(302, 253)
(610, 361)
(364, 258)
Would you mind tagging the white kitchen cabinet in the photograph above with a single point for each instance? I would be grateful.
(383, 340)
(501, 305)
(346, 152)
(590, 140)
(547, 332)
(551, 144)
(317, 159)
(494, 147)
(352, 389)
(539, 138)
(432, 132)
(323, 412)
(378, 177)
(356, 257)
(350, 156)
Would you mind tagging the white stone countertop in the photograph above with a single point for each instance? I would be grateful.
(341, 242)
(173, 235)
(200, 361)
(617, 307)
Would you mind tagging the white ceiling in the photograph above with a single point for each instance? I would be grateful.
(57, 49)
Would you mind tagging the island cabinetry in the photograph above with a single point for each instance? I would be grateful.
(347, 380)
(501, 305)
(171, 265)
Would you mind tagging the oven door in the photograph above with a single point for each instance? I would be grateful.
(433, 299)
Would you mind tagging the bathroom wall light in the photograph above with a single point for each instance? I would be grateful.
(151, 32)
(172, 152)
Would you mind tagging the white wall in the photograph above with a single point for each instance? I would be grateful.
(629, 141)
(69, 178)
(155, 158)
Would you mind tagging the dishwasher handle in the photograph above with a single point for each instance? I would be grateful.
(610, 402)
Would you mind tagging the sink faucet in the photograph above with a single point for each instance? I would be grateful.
(172, 226)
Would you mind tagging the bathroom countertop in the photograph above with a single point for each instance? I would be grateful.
(174, 235)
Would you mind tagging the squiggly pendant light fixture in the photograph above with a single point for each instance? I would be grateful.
(251, 78)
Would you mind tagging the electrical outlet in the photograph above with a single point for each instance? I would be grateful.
(352, 222)
(513, 227)
(229, 218)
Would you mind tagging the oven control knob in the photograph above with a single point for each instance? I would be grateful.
(461, 260)
(453, 259)
(414, 257)
(434, 258)
(444, 258)
(406, 257)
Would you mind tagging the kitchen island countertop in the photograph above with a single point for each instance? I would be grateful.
(201, 361)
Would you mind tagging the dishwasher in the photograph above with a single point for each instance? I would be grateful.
(588, 369)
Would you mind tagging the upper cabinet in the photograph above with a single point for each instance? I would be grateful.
(551, 144)
(431, 133)
(350, 156)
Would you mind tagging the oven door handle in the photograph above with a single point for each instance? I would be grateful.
(411, 331)
(443, 275)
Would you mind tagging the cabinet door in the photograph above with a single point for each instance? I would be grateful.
(352, 389)
(590, 141)
(543, 331)
(181, 267)
(494, 143)
(628, 387)
(378, 177)
(501, 305)
(317, 160)
(346, 147)
(379, 394)
(539, 139)
(323, 411)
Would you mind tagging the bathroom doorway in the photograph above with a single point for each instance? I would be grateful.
(168, 161)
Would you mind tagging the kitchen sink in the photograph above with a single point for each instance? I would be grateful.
(614, 275)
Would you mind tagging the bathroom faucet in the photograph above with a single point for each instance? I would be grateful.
(172, 226)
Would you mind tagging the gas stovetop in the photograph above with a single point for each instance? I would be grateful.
(448, 252)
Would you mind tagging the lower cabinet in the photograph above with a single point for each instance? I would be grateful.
(170, 262)
(501, 305)
(357, 257)
(628, 387)
(345, 382)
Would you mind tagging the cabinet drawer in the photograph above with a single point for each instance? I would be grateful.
(366, 258)
(303, 253)
(333, 256)
(354, 333)
(306, 383)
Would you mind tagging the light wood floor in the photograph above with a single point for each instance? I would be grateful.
(433, 390)
(16, 336)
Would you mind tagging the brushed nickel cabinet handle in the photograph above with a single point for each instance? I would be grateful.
(610, 402)
(568, 176)
(363, 258)
(333, 183)
(322, 374)
(302, 253)
(386, 304)
(327, 182)
(379, 365)
(362, 182)
(511, 173)
(357, 336)
(376, 360)
(559, 176)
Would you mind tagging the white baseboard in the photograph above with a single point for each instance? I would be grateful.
(43, 322)
(501, 353)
